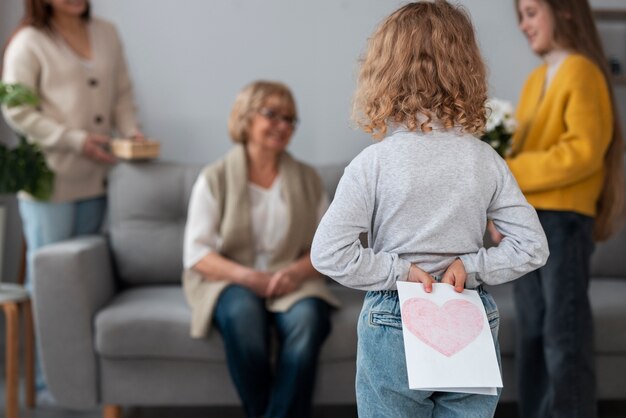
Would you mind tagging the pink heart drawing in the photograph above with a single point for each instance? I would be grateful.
(448, 329)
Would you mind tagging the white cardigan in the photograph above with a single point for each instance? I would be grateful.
(78, 96)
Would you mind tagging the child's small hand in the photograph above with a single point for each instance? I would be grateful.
(418, 275)
(495, 235)
(455, 275)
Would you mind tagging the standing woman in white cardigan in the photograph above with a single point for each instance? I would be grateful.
(75, 63)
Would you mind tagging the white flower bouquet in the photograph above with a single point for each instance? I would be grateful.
(500, 125)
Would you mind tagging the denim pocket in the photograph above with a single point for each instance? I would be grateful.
(494, 319)
(491, 309)
(385, 319)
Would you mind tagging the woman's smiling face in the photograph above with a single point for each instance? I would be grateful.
(537, 23)
(273, 125)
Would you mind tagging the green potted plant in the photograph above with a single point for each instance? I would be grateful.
(23, 167)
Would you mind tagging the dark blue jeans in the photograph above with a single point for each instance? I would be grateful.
(286, 389)
(555, 369)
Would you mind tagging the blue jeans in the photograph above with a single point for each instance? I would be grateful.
(555, 366)
(382, 386)
(245, 324)
(46, 223)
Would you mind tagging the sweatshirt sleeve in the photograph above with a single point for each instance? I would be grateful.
(579, 151)
(125, 111)
(21, 65)
(337, 250)
(524, 247)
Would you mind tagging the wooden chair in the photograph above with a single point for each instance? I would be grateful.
(13, 298)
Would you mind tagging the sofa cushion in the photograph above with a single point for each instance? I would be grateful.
(608, 260)
(609, 311)
(147, 213)
(330, 175)
(153, 322)
(607, 304)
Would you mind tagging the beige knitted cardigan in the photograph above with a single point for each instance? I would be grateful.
(77, 97)
(228, 182)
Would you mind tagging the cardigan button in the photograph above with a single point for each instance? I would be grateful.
(93, 82)
(98, 119)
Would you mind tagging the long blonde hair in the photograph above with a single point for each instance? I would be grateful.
(422, 60)
(575, 30)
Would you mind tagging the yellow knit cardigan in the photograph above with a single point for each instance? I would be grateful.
(563, 134)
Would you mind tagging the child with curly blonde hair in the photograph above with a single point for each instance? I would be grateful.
(423, 196)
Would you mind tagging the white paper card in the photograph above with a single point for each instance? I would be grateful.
(447, 340)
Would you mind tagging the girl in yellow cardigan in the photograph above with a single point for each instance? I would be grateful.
(567, 158)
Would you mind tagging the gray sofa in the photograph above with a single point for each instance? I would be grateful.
(113, 325)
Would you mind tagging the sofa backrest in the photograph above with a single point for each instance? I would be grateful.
(147, 213)
(609, 258)
(148, 209)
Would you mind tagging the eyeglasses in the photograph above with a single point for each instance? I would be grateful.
(275, 117)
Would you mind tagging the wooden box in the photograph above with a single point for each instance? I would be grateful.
(135, 150)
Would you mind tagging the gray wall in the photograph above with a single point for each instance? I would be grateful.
(189, 59)
(189, 62)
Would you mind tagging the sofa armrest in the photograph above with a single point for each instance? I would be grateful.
(72, 281)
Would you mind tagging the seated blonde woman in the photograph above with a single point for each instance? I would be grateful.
(251, 220)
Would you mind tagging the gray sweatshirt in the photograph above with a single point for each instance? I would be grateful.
(425, 198)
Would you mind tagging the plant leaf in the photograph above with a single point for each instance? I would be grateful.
(23, 167)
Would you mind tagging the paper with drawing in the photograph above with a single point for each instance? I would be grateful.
(447, 340)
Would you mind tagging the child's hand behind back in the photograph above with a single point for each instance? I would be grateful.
(418, 275)
(455, 275)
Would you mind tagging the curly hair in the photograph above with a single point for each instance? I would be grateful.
(251, 99)
(422, 60)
